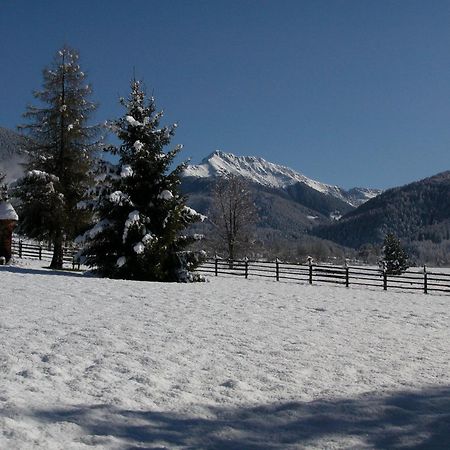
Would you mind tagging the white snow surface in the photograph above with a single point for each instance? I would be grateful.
(139, 248)
(121, 261)
(268, 174)
(126, 171)
(227, 364)
(133, 218)
(132, 121)
(42, 175)
(192, 212)
(119, 198)
(165, 195)
(257, 169)
(7, 212)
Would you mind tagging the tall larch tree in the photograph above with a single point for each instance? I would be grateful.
(142, 217)
(60, 151)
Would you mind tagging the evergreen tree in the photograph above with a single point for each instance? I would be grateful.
(395, 259)
(141, 215)
(60, 148)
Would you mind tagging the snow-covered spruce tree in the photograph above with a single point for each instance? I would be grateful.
(394, 259)
(60, 148)
(142, 217)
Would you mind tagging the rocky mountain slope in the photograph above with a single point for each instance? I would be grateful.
(289, 204)
(273, 176)
(286, 200)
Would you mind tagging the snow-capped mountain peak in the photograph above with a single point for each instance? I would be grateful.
(260, 171)
(254, 168)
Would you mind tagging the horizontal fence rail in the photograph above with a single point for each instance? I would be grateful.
(24, 249)
(421, 280)
(413, 280)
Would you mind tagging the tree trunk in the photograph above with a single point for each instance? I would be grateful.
(230, 254)
(57, 259)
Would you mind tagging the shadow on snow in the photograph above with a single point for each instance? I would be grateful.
(413, 420)
(41, 271)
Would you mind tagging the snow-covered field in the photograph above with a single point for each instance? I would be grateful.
(227, 364)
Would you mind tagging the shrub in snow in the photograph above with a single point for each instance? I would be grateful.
(142, 212)
(394, 259)
(60, 151)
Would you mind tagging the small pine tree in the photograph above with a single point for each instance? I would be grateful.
(60, 152)
(141, 216)
(394, 259)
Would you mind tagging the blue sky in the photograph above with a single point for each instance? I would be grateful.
(354, 93)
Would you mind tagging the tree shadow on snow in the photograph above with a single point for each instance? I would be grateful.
(414, 420)
(40, 271)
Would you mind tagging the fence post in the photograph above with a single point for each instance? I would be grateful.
(347, 282)
(246, 267)
(216, 265)
(40, 252)
(310, 260)
(384, 277)
(425, 280)
(277, 269)
(20, 248)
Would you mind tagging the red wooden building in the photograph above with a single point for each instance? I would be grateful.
(8, 221)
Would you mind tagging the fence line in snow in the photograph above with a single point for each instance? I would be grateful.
(24, 249)
(312, 273)
(414, 279)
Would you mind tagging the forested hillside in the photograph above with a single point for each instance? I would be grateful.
(418, 213)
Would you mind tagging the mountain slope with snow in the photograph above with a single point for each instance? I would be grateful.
(270, 175)
(289, 204)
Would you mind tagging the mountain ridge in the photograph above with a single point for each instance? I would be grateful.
(270, 175)
(289, 204)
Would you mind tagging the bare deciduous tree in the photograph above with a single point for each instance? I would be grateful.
(233, 214)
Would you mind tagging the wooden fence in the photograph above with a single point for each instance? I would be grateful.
(414, 279)
(24, 249)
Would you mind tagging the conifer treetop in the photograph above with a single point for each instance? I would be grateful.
(142, 215)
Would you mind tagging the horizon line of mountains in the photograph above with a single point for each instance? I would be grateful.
(292, 207)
